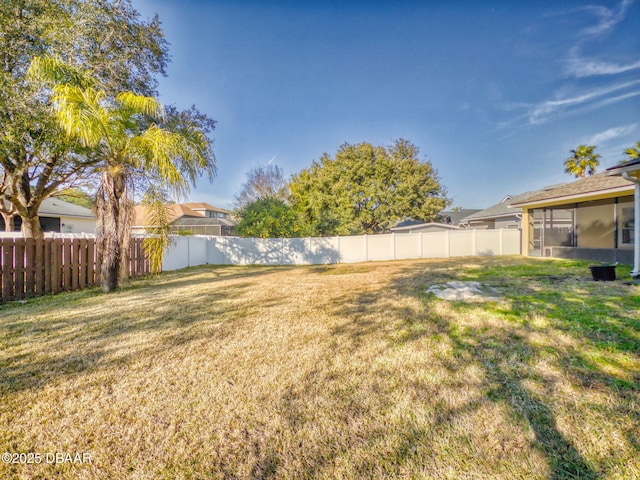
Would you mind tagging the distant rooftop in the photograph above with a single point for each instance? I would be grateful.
(56, 207)
(500, 209)
(203, 206)
(192, 211)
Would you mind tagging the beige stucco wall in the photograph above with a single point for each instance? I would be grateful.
(77, 225)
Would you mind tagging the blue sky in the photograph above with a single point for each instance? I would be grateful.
(495, 94)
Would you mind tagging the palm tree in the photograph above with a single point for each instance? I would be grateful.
(582, 161)
(133, 150)
(633, 152)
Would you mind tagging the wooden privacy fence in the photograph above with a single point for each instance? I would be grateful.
(31, 267)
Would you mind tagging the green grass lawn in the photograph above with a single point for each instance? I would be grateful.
(340, 371)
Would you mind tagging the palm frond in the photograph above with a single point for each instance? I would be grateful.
(141, 104)
(168, 157)
(54, 71)
(633, 152)
(155, 203)
(80, 112)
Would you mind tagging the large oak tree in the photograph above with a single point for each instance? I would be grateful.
(366, 189)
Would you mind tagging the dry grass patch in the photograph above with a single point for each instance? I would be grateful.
(344, 371)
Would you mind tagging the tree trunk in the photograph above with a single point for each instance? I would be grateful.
(126, 212)
(31, 227)
(108, 229)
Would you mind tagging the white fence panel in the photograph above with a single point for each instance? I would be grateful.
(435, 245)
(488, 242)
(379, 247)
(324, 250)
(196, 250)
(353, 249)
(511, 242)
(255, 251)
(177, 255)
(462, 244)
(216, 252)
(295, 251)
(407, 246)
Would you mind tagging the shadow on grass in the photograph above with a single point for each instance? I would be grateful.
(337, 413)
(604, 319)
(80, 328)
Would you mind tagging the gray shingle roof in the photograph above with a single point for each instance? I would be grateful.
(501, 209)
(595, 184)
(56, 207)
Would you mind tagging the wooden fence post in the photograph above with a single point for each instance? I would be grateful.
(18, 268)
(56, 265)
(39, 267)
(6, 249)
(82, 263)
(30, 268)
(75, 264)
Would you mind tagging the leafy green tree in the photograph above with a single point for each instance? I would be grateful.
(633, 152)
(268, 218)
(77, 196)
(582, 161)
(127, 135)
(36, 157)
(366, 189)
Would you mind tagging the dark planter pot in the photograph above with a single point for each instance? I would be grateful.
(605, 273)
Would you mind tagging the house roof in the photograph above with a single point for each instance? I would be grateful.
(445, 217)
(203, 206)
(456, 216)
(584, 189)
(192, 221)
(501, 209)
(59, 208)
(178, 211)
(629, 166)
(419, 225)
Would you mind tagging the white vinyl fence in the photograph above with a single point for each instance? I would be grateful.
(189, 251)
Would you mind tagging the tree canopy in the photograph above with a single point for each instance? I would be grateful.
(582, 161)
(633, 152)
(36, 157)
(366, 189)
(268, 218)
(135, 145)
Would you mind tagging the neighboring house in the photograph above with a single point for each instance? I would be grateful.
(591, 218)
(454, 217)
(416, 227)
(191, 219)
(63, 217)
(498, 216)
(446, 220)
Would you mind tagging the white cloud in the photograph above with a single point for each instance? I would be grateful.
(611, 133)
(608, 18)
(582, 67)
(547, 110)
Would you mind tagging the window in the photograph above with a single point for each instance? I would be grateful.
(626, 224)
